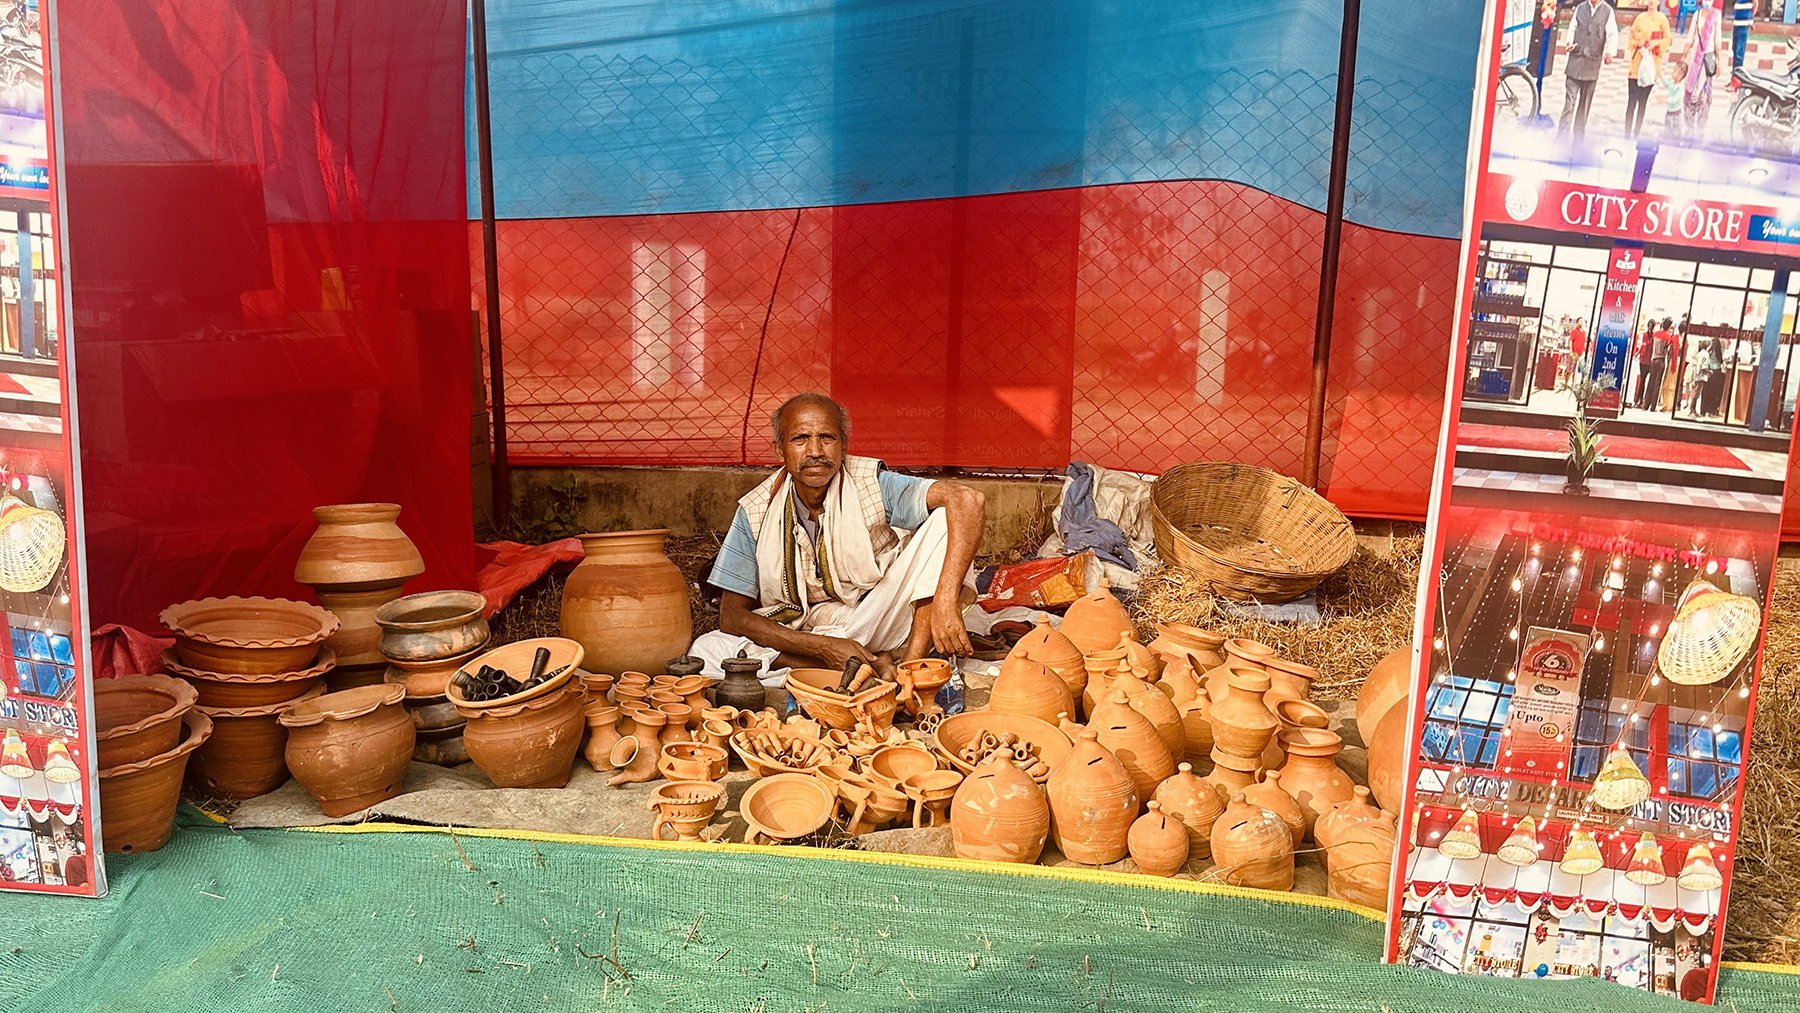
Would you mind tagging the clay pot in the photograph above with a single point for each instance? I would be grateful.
(1179, 640)
(742, 687)
(684, 665)
(1330, 828)
(871, 707)
(1311, 774)
(626, 603)
(1159, 843)
(685, 807)
(1253, 653)
(442, 747)
(238, 689)
(1269, 794)
(1361, 863)
(1093, 800)
(358, 638)
(1196, 730)
(1029, 688)
(1095, 622)
(675, 725)
(692, 761)
(530, 744)
(1196, 803)
(634, 759)
(139, 798)
(999, 814)
(1049, 648)
(932, 792)
(1179, 682)
(432, 625)
(1288, 680)
(427, 678)
(137, 717)
(1140, 659)
(871, 806)
(1100, 667)
(598, 684)
(515, 659)
(636, 680)
(1233, 773)
(891, 765)
(1156, 707)
(1132, 738)
(1292, 714)
(358, 547)
(432, 712)
(1387, 758)
(603, 733)
(693, 693)
(785, 807)
(961, 731)
(247, 754)
(716, 732)
(350, 749)
(248, 636)
(1252, 847)
(1388, 683)
(1241, 723)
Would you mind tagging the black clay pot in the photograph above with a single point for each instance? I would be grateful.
(741, 688)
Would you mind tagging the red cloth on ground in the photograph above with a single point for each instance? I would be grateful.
(509, 567)
(121, 650)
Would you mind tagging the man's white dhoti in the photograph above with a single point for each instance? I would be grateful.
(881, 620)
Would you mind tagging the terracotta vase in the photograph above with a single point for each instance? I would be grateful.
(1252, 847)
(248, 636)
(1095, 622)
(1241, 723)
(1158, 843)
(716, 732)
(626, 603)
(1253, 653)
(1048, 647)
(1270, 794)
(598, 685)
(432, 626)
(741, 688)
(530, 744)
(1388, 683)
(1179, 640)
(1330, 828)
(139, 798)
(932, 792)
(1288, 680)
(1195, 802)
(999, 814)
(1311, 774)
(1233, 773)
(785, 807)
(1156, 707)
(685, 807)
(1093, 799)
(247, 753)
(693, 693)
(1360, 864)
(603, 733)
(1292, 714)
(675, 724)
(1029, 688)
(137, 717)
(634, 757)
(1133, 739)
(350, 749)
(358, 547)
(1387, 759)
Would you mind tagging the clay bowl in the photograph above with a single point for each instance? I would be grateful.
(529, 744)
(693, 761)
(784, 807)
(427, 678)
(246, 755)
(960, 730)
(894, 764)
(436, 624)
(749, 745)
(139, 798)
(515, 659)
(815, 689)
(248, 636)
(240, 689)
(138, 716)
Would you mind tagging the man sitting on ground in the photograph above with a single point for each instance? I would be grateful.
(834, 557)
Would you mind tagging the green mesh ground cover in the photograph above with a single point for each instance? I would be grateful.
(295, 921)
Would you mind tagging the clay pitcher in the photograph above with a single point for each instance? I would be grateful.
(1252, 847)
(626, 603)
(1092, 801)
(1049, 648)
(1095, 622)
(1291, 714)
(1388, 683)
(1029, 688)
(1158, 843)
(1241, 723)
(1196, 803)
(999, 814)
(1154, 706)
(1133, 739)
(1329, 829)
(1311, 774)
(1269, 794)
(603, 733)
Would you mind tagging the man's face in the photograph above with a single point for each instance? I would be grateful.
(812, 445)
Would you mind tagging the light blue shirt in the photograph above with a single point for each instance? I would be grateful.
(902, 498)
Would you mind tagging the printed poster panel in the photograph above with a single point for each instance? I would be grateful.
(1606, 512)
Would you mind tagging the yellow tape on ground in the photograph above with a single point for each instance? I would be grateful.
(1750, 965)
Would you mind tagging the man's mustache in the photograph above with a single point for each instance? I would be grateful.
(824, 461)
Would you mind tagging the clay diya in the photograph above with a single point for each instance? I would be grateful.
(891, 765)
(785, 807)
(350, 749)
(137, 717)
(931, 793)
(685, 807)
(249, 636)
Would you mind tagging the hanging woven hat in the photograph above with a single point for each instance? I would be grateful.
(1620, 784)
(1711, 633)
(31, 545)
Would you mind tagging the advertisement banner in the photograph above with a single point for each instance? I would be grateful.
(1605, 517)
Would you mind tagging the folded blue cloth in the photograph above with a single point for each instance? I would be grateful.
(1082, 528)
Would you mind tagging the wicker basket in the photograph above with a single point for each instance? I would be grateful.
(1712, 632)
(1249, 532)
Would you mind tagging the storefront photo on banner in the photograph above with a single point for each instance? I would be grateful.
(1600, 558)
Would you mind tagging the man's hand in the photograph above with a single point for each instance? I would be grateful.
(836, 652)
(948, 634)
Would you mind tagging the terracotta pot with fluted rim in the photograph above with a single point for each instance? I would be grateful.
(530, 744)
(1133, 739)
(999, 814)
(1195, 802)
(139, 798)
(1095, 621)
(1093, 800)
(137, 717)
(1158, 842)
(248, 635)
(350, 749)
(1048, 647)
(626, 603)
(1253, 847)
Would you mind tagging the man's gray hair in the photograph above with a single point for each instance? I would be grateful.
(810, 397)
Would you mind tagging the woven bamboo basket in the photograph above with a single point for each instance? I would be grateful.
(1249, 532)
(1712, 632)
(31, 545)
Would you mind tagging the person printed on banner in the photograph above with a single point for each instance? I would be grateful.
(1641, 356)
(1578, 340)
(1662, 347)
(1646, 45)
(1742, 13)
(1674, 84)
(1593, 38)
(1700, 50)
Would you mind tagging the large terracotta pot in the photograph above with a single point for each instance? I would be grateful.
(1387, 758)
(1092, 802)
(1095, 622)
(350, 749)
(1196, 803)
(626, 603)
(1388, 683)
(1175, 641)
(1361, 863)
(1156, 707)
(248, 636)
(1133, 739)
(531, 744)
(137, 717)
(1029, 688)
(1311, 774)
(999, 814)
(432, 626)
(247, 754)
(1048, 647)
(1158, 842)
(139, 798)
(1241, 723)
(358, 547)
(1270, 794)
(1252, 847)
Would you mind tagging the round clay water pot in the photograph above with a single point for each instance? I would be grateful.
(1292, 714)
(350, 749)
(357, 547)
(432, 625)
(1196, 803)
(1241, 723)
(785, 807)
(515, 659)
(1029, 688)
(627, 604)
(530, 744)
(1048, 647)
(1095, 622)
(1178, 640)
(248, 636)
(247, 753)
(1253, 847)
(1387, 758)
(685, 807)
(137, 717)
(139, 798)
(1093, 800)
(999, 814)
(1388, 683)
(1158, 843)
(358, 638)
(1311, 774)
